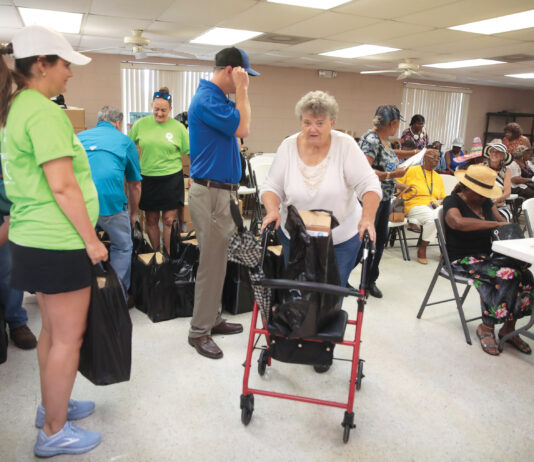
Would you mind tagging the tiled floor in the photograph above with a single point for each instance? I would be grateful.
(427, 395)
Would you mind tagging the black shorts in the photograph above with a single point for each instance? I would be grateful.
(162, 192)
(49, 271)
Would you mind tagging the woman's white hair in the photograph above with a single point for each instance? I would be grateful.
(318, 103)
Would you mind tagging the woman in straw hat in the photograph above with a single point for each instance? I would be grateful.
(505, 285)
(498, 159)
(52, 237)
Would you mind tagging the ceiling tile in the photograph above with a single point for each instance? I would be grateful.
(524, 34)
(7, 33)
(9, 17)
(317, 46)
(163, 29)
(204, 12)
(467, 11)
(326, 24)
(266, 17)
(382, 30)
(473, 45)
(389, 9)
(110, 26)
(71, 6)
(140, 9)
(427, 39)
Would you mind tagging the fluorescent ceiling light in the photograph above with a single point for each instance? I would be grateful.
(465, 63)
(359, 51)
(319, 4)
(222, 36)
(516, 21)
(529, 75)
(61, 21)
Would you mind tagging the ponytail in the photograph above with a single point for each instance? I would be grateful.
(18, 77)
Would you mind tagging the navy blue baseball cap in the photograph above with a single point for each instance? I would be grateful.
(389, 112)
(234, 57)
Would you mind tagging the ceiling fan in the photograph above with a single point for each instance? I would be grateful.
(408, 68)
(138, 46)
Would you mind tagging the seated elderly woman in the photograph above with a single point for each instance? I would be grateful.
(505, 285)
(321, 168)
(513, 137)
(521, 172)
(429, 189)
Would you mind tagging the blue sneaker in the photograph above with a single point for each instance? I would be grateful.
(77, 410)
(69, 440)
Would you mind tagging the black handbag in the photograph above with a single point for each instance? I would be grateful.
(507, 232)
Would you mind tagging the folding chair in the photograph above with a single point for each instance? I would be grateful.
(399, 229)
(444, 270)
(528, 211)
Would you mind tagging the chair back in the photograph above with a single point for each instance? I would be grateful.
(528, 210)
(449, 181)
(260, 164)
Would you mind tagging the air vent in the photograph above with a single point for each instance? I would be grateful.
(282, 39)
(517, 58)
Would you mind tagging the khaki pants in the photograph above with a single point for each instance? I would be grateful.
(210, 213)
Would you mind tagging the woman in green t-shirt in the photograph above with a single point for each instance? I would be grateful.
(52, 237)
(161, 141)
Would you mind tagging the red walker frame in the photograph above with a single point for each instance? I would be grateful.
(356, 375)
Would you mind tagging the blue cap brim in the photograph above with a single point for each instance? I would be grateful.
(252, 72)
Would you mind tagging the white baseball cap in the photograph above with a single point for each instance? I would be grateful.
(39, 40)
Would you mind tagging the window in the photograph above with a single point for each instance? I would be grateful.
(139, 82)
(444, 109)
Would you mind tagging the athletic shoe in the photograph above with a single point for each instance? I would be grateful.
(69, 440)
(77, 410)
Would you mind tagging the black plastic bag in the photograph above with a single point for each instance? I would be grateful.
(238, 296)
(106, 353)
(158, 295)
(310, 259)
(139, 269)
(184, 257)
(3, 335)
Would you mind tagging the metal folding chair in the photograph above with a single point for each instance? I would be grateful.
(444, 270)
(528, 211)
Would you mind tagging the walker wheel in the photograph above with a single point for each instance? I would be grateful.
(247, 408)
(359, 375)
(321, 368)
(262, 362)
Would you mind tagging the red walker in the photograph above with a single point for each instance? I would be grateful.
(335, 335)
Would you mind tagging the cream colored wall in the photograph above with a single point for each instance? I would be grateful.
(274, 94)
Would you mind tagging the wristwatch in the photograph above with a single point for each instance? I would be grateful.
(387, 175)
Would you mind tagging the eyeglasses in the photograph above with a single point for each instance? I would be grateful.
(159, 94)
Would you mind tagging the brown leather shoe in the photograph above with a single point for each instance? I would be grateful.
(23, 337)
(227, 328)
(205, 346)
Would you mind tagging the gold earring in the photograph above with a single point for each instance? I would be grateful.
(44, 74)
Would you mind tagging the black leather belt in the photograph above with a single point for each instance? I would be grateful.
(216, 184)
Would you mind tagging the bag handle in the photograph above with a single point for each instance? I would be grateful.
(402, 194)
(236, 215)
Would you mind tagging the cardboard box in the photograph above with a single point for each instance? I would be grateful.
(76, 116)
(316, 221)
(186, 163)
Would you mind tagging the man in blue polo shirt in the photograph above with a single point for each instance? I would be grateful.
(215, 123)
(112, 155)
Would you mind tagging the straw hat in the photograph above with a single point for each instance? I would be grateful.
(480, 179)
(498, 145)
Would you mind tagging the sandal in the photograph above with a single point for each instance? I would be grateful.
(490, 348)
(518, 343)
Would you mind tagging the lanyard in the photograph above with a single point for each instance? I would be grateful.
(431, 180)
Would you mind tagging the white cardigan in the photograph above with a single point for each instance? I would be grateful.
(347, 178)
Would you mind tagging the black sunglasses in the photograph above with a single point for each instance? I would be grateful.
(159, 94)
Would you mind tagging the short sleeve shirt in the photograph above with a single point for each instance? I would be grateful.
(467, 243)
(384, 159)
(162, 145)
(213, 120)
(112, 156)
(420, 141)
(38, 131)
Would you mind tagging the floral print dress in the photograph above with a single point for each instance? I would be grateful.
(505, 285)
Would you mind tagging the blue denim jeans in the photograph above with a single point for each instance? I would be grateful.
(15, 314)
(120, 234)
(346, 253)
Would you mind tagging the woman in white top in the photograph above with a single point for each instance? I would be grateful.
(321, 168)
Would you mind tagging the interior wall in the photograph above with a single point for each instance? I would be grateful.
(274, 95)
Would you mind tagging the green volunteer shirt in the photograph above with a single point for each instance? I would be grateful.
(37, 131)
(162, 145)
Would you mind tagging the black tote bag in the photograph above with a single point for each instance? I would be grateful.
(106, 353)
